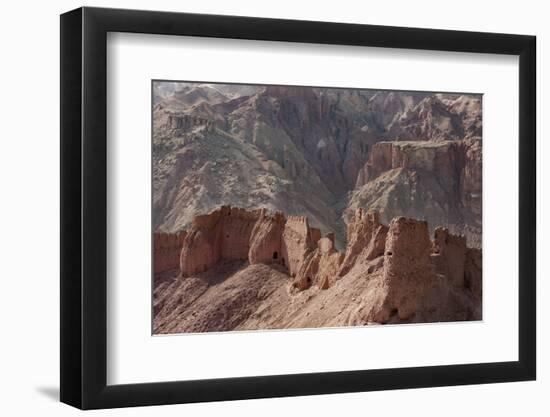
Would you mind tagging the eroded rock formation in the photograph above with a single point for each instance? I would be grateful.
(439, 181)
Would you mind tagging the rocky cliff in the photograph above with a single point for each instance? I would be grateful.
(437, 181)
(244, 269)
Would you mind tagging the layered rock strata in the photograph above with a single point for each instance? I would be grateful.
(440, 181)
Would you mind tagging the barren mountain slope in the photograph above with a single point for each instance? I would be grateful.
(304, 151)
(437, 181)
(206, 167)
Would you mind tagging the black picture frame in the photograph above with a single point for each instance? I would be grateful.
(84, 207)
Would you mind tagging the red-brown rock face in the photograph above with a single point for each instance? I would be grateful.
(445, 158)
(167, 248)
(438, 181)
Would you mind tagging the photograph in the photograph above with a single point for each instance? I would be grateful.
(299, 207)
(269, 209)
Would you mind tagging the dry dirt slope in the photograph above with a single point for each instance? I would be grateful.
(252, 297)
(239, 296)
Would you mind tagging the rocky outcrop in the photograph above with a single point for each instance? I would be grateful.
(438, 118)
(437, 181)
(443, 158)
(166, 251)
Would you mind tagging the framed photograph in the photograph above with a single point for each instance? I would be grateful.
(256, 208)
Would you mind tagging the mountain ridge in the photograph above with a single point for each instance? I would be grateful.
(301, 151)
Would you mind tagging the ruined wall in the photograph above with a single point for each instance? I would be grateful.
(232, 234)
(166, 251)
(202, 245)
(388, 274)
(297, 241)
(408, 271)
(182, 121)
(265, 241)
(237, 225)
(320, 266)
(449, 255)
(413, 277)
(366, 239)
(423, 280)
